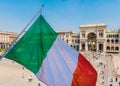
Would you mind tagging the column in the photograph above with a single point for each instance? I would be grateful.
(86, 46)
(104, 48)
(5, 45)
(80, 47)
(97, 46)
(119, 49)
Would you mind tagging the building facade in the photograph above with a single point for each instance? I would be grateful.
(93, 37)
(113, 41)
(71, 38)
(12, 37)
(6, 39)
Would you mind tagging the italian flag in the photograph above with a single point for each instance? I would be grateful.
(53, 62)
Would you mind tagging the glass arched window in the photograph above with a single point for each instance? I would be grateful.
(108, 41)
(117, 36)
(112, 48)
(112, 41)
(75, 40)
(117, 48)
(100, 34)
(108, 47)
(116, 41)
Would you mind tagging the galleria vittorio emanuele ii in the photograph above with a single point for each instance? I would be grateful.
(93, 37)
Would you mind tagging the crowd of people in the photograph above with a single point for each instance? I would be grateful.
(103, 63)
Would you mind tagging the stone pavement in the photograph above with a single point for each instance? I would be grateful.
(107, 66)
(13, 74)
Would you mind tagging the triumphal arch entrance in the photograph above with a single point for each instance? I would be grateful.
(92, 37)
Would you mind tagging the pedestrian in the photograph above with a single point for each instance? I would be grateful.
(39, 84)
(110, 84)
(30, 78)
(119, 83)
(23, 68)
(12, 61)
(103, 77)
(104, 66)
(116, 79)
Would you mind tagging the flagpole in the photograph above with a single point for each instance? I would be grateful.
(23, 31)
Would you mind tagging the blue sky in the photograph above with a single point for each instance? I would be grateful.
(60, 14)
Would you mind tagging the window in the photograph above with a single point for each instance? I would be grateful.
(83, 35)
(114, 36)
(112, 48)
(76, 41)
(117, 41)
(67, 35)
(100, 34)
(108, 48)
(72, 41)
(108, 41)
(112, 41)
(117, 48)
(107, 36)
(117, 36)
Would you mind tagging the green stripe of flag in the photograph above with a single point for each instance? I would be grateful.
(32, 48)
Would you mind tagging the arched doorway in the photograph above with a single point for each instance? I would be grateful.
(91, 41)
(77, 47)
(108, 48)
(83, 47)
(100, 47)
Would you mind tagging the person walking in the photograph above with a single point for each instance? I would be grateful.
(39, 84)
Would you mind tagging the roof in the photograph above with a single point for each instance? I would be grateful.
(65, 31)
(92, 25)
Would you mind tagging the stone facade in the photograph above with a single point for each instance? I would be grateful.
(112, 41)
(6, 38)
(12, 37)
(71, 38)
(93, 37)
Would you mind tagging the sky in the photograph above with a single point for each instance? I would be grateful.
(60, 14)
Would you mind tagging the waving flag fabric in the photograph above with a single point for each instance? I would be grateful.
(55, 63)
